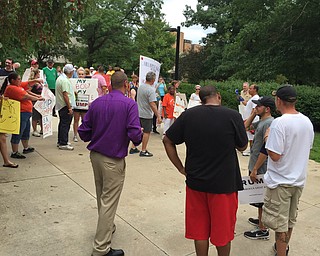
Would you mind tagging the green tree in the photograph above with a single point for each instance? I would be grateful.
(261, 39)
(153, 41)
(106, 31)
(34, 25)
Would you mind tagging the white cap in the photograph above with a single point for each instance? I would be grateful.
(68, 68)
(91, 68)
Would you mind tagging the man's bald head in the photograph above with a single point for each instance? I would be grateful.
(207, 92)
(118, 79)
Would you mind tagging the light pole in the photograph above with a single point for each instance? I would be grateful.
(176, 70)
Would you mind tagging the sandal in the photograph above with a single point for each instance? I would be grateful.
(11, 165)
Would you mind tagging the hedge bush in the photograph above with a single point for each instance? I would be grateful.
(308, 97)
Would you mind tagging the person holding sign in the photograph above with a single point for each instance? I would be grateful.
(264, 106)
(111, 120)
(288, 145)
(212, 133)
(17, 90)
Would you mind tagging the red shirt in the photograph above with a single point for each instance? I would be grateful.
(14, 92)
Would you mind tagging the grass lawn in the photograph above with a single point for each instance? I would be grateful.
(315, 151)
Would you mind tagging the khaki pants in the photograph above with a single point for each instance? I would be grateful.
(109, 176)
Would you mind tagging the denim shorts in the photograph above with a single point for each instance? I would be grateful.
(24, 128)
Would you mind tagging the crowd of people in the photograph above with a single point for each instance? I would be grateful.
(128, 112)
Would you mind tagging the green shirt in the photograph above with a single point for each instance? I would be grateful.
(51, 76)
(64, 85)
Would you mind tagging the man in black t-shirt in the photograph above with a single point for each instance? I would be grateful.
(212, 133)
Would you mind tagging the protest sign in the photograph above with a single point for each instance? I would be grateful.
(45, 109)
(193, 103)
(86, 91)
(253, 191)
(180, 104)
(27, 72)
(2, 78)
(10, 116)
(147, 65)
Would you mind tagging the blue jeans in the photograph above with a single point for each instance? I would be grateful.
(64, 126)
(24, 133)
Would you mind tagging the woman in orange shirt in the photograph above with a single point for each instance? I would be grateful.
(167, 109)
(17, 90)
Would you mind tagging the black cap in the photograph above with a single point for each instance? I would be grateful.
(265, 101)
(287, 93)
(50, 60)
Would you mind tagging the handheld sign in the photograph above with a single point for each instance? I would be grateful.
(86, 91)
(253, 191)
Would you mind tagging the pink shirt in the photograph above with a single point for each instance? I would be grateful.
(101, 83)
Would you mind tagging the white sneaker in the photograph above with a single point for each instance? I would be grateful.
(66, 147)
(59, 144)
(75, 139)
(246, 153)
(36, 134)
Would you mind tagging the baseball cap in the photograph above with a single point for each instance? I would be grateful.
(287, 93)
(50, 61)
(91, 68)
(68, 68)
(34, 62)
(266, 101)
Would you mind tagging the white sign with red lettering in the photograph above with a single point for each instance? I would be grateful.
(45, 109)
(146, 65)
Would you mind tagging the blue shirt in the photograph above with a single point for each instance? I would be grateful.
(110, 123)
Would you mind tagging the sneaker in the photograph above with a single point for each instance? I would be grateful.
(66, 147)
(275, 249)
(17, 155)
(75, 139)
(146, 153)
(246, 153)
(257, 234)
(27, 150)
(36, 134)
(134, 150)
(254, 222)
(59, 144)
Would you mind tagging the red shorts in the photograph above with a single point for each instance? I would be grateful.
(211, 216)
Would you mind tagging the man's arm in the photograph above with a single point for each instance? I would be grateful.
(250, 119)
(155, 111)
(66, 100)
(274, 156)
(172, 153)
(261, 159)
(104, 89)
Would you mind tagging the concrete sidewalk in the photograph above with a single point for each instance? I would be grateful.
(48, 207)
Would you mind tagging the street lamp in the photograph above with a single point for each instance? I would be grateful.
(176, 71)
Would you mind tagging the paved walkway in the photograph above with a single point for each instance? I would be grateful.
(48, 207)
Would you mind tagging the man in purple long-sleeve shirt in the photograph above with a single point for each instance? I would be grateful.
(111, 122)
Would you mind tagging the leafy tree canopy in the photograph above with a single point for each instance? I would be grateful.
(261, 39)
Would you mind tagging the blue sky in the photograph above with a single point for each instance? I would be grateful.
(173, 10)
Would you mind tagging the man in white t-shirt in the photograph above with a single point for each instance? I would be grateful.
(249, 108)
(288, 145)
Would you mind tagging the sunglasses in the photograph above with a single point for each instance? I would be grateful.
(197, 89)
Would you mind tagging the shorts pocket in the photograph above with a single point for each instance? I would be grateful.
(270, 215)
